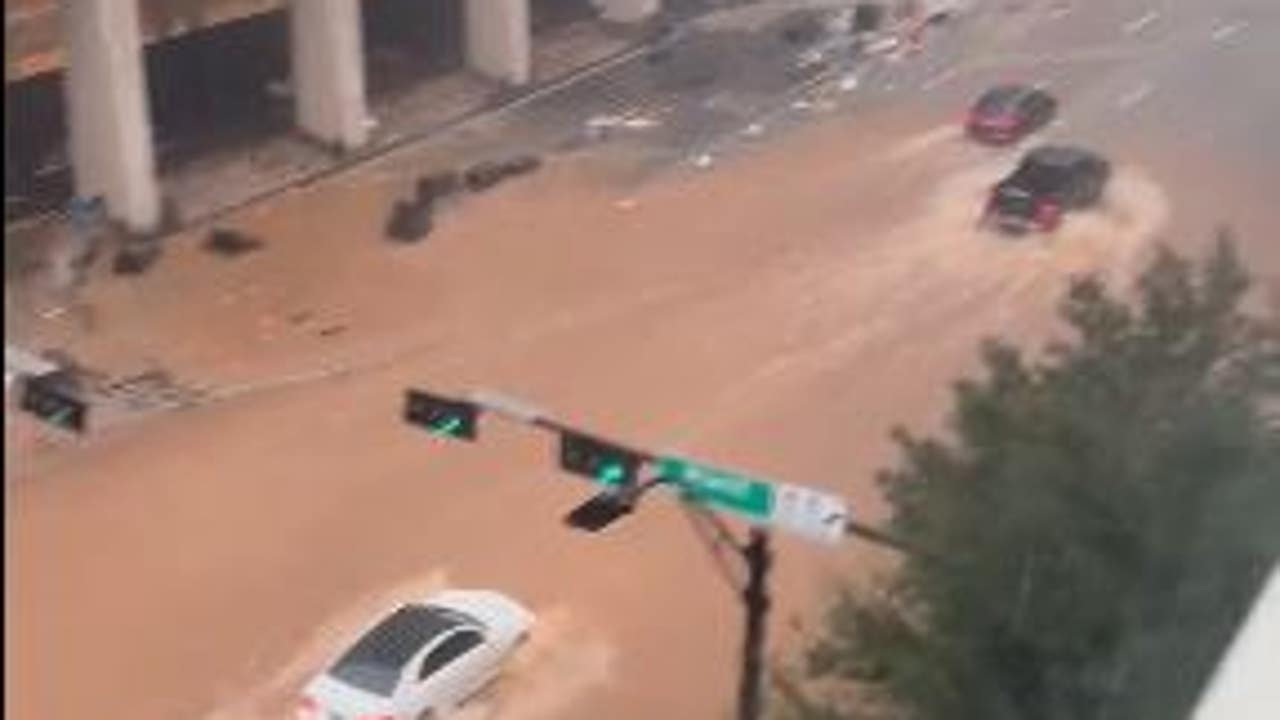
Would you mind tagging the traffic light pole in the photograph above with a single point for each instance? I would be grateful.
(755, 599)
(580, 452)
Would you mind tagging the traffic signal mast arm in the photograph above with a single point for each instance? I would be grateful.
(804, 511)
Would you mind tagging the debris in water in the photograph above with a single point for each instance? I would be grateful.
(702, 161)
(848, 83)
(137, 256)
(809, 57)
(437, 185)
(883, 45)
(1226, 32)
(1135, 96)
(753, 130)
(605, 122)
(230, 243)
(409, 221)
(1136, 26)
(485, 175)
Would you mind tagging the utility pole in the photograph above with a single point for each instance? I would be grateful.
(755, 598)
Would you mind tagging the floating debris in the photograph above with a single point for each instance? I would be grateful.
(485, 175)
(231, 243)
(137, 256)
(1226, 32)
(437, 185)
(410, 221)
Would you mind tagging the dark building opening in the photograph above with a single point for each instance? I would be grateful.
(407, 41)
(219, 86)
(546, 15)
(37, 171)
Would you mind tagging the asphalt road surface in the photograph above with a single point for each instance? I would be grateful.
(776, 311)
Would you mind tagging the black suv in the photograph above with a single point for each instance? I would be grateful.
(1050, 180)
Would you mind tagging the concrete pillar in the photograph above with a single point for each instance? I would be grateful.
(627, 11)
(328, 71)
(499, 39)
(107, 110)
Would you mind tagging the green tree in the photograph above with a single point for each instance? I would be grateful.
(1097, 522)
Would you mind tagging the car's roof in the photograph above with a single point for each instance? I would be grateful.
(390, 644)
(1005, 95)
(1058, 155)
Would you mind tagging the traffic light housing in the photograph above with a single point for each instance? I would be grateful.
(440, 415)
(603, 462)
(52, 397)
(602, 510)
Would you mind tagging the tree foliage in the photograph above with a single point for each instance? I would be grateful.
(1097, 522)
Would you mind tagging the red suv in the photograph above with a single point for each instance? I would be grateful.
(1008, 113)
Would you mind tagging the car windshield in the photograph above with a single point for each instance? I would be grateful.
(1014, 201)
(998, 100)
(1038, 177)
(375, 662)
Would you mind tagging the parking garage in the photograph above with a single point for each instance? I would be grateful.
(245, 78)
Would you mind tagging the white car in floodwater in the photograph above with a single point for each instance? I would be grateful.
(421, 661)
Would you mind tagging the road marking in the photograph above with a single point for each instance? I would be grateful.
(940, 79)
(1226, 32)
(1136, 26)
(1135, 96)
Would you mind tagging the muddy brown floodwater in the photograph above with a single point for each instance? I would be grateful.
(776, 313)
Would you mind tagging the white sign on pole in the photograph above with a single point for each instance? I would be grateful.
(810, 513)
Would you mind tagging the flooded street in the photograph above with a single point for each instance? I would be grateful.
(777, 312)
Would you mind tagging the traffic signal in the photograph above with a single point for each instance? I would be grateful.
(604, 462)
(599, 512)
(442, 416)
(52, 397)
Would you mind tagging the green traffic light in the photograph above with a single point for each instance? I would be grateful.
(449, 426)
(611, 473)
(61, 417)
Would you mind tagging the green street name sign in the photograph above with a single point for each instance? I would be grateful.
(810, 513)
(753, 499)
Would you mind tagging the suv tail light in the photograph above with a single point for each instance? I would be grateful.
(1047, 214)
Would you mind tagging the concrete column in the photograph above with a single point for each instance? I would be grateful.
(107, 110)
(328, 71)
(499, 39)
(627, 11)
